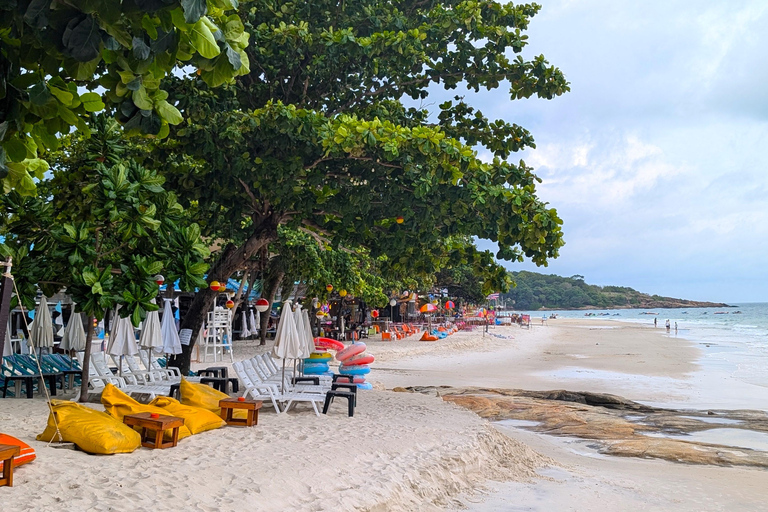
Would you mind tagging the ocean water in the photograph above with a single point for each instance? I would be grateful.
(734, 345)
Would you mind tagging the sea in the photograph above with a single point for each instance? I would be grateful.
(733, 343)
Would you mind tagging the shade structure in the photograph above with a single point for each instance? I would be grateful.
(450, 305)
(428, 308)
(255, 321)
(122, 339)
(151, 333)
(7, 351)
(245, 332)
(171, 341)
(41, 333)
(287, 342)
(74, 334)
(306, 346)
(309, 338)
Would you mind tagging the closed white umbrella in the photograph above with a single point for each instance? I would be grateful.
(74, 334)
(255, 321)
(7, 347)
(245, 332)
(287, 343)
(310, 340)
(151, 337)
(171, 341)
(122, 339)
(41, 333)
(301, 332)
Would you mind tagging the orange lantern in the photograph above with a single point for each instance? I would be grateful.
(342, 293)
(400, 220)
(215, 286)
(375, 313)
(329, 287)
(230, 304)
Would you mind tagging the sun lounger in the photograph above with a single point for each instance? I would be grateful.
(260, 390)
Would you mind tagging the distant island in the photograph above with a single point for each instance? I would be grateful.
(539, 291)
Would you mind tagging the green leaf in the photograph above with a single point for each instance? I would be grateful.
(168, 112)
(140, 49)
(194, 10)
(203, 41)
(146, 23)
(82, 39)
(92, 102)
(141, 100)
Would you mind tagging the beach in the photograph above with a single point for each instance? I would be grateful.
(417, 451)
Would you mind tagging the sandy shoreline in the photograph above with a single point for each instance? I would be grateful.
(410, 451)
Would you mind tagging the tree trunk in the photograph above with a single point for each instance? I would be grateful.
(270, 287)
(232, 259)
(86, 358)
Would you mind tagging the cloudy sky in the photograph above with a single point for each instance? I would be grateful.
(657, 158)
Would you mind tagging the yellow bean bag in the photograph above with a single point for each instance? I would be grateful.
(196, 419)
(92, 431)
(118, 404)
(205, 397)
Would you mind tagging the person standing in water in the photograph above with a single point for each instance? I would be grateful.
(675, 327)
(667, 324)
(655, 320)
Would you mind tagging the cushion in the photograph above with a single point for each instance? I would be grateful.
(27, 453)
(196, 419)
(118, 404)
(92, 431)
(206, 397)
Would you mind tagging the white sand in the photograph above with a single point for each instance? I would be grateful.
(408, 451)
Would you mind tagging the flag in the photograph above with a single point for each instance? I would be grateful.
(493, 296)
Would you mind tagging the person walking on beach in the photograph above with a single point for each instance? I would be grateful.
(667, 324)
(655, 322)
(675, 327)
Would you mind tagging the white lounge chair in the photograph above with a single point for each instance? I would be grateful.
(260, 390)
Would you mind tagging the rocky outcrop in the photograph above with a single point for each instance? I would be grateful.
(618, 426)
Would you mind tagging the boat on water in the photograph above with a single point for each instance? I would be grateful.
(648, 313)
(720, 313)
(736, 313)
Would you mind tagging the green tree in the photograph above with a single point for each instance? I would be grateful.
(316, 136)
(102, 227)
(50, 50)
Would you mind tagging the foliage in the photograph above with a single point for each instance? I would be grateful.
(102, 227)
(51, 49)
(535, 291)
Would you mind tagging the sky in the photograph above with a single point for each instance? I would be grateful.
(656, 160)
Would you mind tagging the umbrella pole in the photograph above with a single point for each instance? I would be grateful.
(283, 383)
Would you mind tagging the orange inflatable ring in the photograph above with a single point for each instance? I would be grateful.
(27, 453)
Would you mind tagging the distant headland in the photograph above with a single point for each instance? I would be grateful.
(545, 292)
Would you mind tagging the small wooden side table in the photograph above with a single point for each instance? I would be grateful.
(157, 426)
(228, 405)
(7, 453)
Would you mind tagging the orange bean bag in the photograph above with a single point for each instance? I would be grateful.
(27, 453)
(428, 337)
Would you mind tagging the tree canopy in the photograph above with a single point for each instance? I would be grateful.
(54, 54)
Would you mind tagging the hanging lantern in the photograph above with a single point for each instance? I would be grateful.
(230, 304)
(329, 288)
(342, 293)
(261, 305)
(375, 313)
(399, 220)
(393, 302)
(215, 286)
(159, 279)
(435, 302)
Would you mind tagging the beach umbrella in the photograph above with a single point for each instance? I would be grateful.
(151, 332)
(7, 351)
(255, 321)
(450, 305)
(287, 342)
(168, 332)
(310, 339)
(122, 340)
(74, 334)
(41, 333)
(428, 308)
(245, 332)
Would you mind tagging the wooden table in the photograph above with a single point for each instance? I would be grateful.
(228, 405)
(7, 453)
(158, 426)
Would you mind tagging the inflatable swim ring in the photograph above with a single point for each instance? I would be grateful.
(354, 370)
(365, 385)
(318, 357)
(355, 380)
(352, 350)
(359, 359)
(329, 344)
(315, 368)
